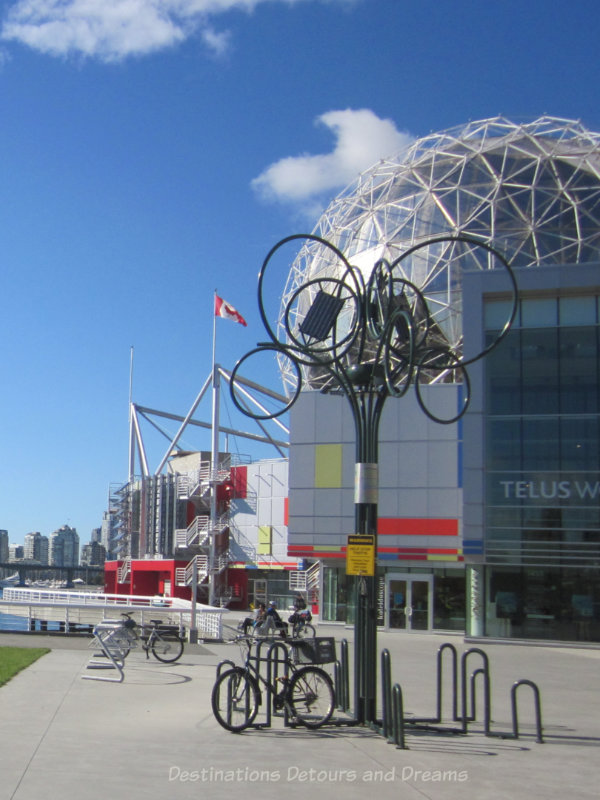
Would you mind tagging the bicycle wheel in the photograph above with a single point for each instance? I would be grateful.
(167, 648)
(311, 696)
(121, 641)
(305, 631)
(235, 699)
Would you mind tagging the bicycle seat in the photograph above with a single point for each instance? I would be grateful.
(157, 621)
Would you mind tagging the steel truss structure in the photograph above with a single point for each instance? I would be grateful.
(149, 511)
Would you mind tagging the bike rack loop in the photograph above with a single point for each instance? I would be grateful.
(342, 678)
(392, 704)
(474, 674)
(439, 685)
(398, 717)
(272, 661)
(227, 662)
(538, 711)
(440, 654)
(386, 693)
(486, 683)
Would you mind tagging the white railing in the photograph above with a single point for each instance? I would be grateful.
(297, 580)
(91, 607)
(312, 575)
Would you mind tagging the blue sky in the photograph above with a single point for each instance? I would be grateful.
(153, 152)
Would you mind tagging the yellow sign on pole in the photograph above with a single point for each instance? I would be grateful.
(360, 555)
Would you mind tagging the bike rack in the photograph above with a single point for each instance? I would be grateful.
(227, 662)
(485, 670)
(393, 721)
(104, 636)
(446, 647)
(398, 718)
(341, 674)
(538, 709)
(474, 674)
(273, 662)
(386, 693)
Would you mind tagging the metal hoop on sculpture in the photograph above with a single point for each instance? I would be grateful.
(428, 361)
(348, 271)
(392, 360)
(264, 414)
(492, 251)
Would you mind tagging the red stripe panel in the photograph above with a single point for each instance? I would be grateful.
(239, 481)
(404, 526)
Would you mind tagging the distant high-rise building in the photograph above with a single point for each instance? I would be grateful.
(64, 547)
(36, 547)
(93, 554)
(3, 546)
(110, 527)
(96, 535)
(16, 552)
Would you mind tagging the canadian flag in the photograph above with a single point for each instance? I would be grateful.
(223, 309)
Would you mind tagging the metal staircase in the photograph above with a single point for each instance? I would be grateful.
(195, 535)
(124, 571)
(204, 541)
(306, 580)
(199, 531)
(184, 575)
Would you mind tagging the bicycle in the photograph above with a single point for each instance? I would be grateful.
(166, 642)
(301, 627)
(306, 694)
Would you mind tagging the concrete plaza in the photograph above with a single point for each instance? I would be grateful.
(154, 736)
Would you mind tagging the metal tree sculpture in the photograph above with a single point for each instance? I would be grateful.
(369, 340)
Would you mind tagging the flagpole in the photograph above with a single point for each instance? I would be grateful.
(131, 442)
(214, 338)
(214, 459)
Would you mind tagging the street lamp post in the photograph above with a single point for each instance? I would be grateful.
(368, 338)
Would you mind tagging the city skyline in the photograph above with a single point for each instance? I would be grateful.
(148, 165)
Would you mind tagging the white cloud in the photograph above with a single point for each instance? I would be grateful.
(111, 30)
(362, 138)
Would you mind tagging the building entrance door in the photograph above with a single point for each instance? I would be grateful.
(409, 602)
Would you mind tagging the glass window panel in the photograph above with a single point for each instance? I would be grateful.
(503, 444)
(583, 519)
(504, 517)
(579, 443)
(449, 601)
(496, 313)
(540, 382)
(539, 313)
(503, 374)
(579, 370)
(541, 444)
(577, 310)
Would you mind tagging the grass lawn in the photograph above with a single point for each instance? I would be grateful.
(14, 659)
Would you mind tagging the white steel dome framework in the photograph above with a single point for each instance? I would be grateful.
(529, 191)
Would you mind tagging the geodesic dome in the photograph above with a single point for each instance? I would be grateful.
(531, 191)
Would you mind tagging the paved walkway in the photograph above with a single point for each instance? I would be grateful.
(154, 735)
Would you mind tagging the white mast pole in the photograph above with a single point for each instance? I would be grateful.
(216, 387)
